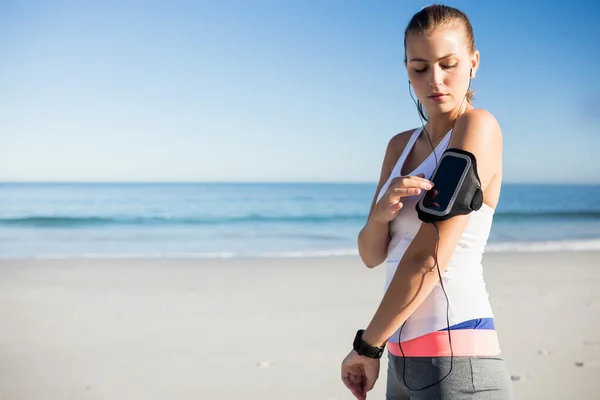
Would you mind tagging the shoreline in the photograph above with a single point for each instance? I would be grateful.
(274, 257)
(265, 328)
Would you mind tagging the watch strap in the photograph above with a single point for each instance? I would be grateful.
(364, 349)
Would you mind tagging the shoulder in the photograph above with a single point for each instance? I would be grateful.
(398, 142)
(395, 146)
(478, 132)
(475, 128)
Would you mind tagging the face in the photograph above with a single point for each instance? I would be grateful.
(438, 68)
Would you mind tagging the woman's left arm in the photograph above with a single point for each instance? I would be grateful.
(478, 132)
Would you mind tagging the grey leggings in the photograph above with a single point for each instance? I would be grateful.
(472, 378)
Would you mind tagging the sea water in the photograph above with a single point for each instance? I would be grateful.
(219, 220)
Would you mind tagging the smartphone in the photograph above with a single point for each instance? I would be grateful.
(447, 180)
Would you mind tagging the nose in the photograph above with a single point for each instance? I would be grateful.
(435, 77)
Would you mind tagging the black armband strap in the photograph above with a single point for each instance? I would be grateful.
(456, 188)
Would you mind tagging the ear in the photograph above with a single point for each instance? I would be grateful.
(475, 63)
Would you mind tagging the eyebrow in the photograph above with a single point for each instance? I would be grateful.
(423, 60)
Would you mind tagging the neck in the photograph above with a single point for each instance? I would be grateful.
(439, 125)
(437, 128)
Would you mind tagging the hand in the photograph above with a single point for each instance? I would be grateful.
(390, 203)
(359, 374)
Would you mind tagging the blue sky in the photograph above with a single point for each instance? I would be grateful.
(276, 90)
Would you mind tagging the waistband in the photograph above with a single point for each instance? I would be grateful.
(465, 343)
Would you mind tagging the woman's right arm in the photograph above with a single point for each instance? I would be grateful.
(373, 241)
(373, 238)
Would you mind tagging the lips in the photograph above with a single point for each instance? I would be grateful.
(438, 97)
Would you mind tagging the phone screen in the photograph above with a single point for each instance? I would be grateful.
(445, 181)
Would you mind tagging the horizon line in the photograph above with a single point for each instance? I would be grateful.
(258, 182)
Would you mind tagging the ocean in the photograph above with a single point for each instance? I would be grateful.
(227, 220)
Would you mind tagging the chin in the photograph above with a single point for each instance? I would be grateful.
(439, 108)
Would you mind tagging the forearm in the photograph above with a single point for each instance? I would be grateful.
(414, 279)
(373, 240)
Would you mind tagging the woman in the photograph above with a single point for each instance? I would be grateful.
(435, 317)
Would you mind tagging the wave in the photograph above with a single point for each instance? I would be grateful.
(64, 221)
(506, 247)
(552, 214)
(205, 255)
(545, 246)
(91, 221)
(521, 247)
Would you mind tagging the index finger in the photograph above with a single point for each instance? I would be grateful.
(420, 177)
(413, 183)
(408, 178)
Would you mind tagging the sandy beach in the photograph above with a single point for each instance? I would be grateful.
(265, 329)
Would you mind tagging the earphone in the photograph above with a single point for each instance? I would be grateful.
(436, 263)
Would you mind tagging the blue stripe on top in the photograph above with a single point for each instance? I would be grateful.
(480, 323)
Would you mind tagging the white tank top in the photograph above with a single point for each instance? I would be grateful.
(463, 278)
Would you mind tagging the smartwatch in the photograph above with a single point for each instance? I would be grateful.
(364, 349)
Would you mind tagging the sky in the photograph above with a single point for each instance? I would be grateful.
(276, 90)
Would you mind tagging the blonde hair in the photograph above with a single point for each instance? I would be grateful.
(436, 16)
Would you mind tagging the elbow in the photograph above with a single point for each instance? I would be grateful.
(425, 262)
(371, 257)
(372, 265)
(430, 251)
(372, 262)
(372, 254)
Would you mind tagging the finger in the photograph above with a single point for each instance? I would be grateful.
(396, 206)
(402, 192)
(419, 177)
(413, 182)
(348, 381)
(394, 200)
(368, 384)
(355, 389)
(419, 182)
(359, 382)
(351, 380)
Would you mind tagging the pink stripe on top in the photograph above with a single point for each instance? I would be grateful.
(465, 342)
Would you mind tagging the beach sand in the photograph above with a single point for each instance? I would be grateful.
(265, 329)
